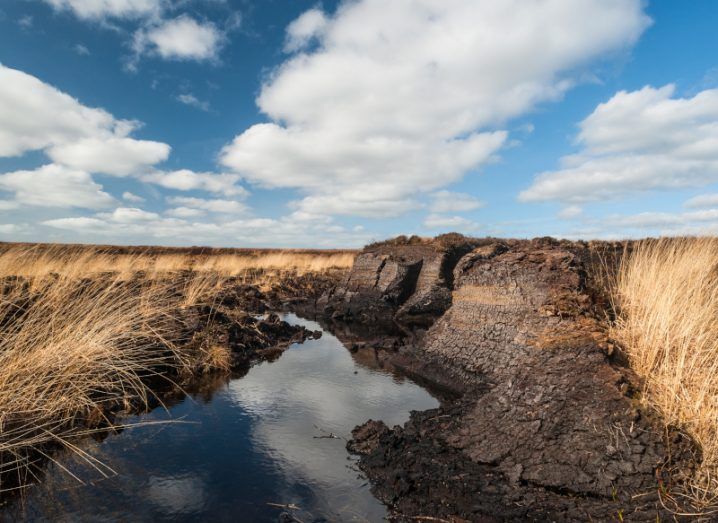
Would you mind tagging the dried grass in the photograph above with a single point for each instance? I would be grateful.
(666, 294)
(95, 331)
(33, 261)
(77, 349)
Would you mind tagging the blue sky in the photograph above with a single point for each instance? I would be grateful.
(331, 124)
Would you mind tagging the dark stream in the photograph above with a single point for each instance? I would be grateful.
(228, 457)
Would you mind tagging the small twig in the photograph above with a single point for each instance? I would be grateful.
(327, 435)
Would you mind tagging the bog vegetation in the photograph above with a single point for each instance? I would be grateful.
(84, 328)
(81, 327)
(666, 294)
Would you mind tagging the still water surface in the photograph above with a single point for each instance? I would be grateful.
(253, 443)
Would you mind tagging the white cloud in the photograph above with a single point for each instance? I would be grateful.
(638, 141)
(302, 30)
(55, 186)
(81, 50)
(79, 223)
(99, 9)
(37, 116)
(7, 205)
(640, 225)
(371, 201)
(130, 197)
(185, 212)
(192, 100)
(81, 141)
(216, 206)
(447, 202)
(136, 225)
(129, 215)
(703, 200)
(392, 98)
(26, 22)
(653, 220)
(181, 38)
(187, 180)
(450, 223)
(12, 228)
(570, 212)
(115, 156)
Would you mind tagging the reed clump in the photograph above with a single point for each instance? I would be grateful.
(666, 297)
(70, 352)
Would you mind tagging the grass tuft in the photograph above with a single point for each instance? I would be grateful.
(666, 297)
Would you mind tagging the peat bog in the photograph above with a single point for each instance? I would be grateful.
(446, 379)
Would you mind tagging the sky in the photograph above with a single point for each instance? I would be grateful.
(292, 123)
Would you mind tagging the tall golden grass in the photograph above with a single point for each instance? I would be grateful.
(78, 348)
(82, 331)
(33, 261)
(666, 294)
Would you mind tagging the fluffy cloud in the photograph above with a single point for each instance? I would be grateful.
(369, 200)
(704, 222)
(663, 220)
(129, 224)
(55, 186)
(81, 50)
(7, 205)
(391, 97)
(308, 26)
(642, 224)
(193, 101)
(704, 200)
(216, 206)
(450, 223)
(37, 116)
(185, 212)
(12, 228)
(447, 201)
(570, 212)
(80, 141)
(182, 38)
(186, 180)
(640, 140)
(115, 156)
(99, 9)
(129, 215)
(26, 22)
(130, 197)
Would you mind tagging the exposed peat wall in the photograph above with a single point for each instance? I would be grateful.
(547, 426)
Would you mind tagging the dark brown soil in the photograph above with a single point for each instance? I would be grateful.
(544, 423)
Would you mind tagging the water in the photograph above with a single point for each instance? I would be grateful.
(252, 444)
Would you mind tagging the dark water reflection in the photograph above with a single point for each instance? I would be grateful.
(251, 444)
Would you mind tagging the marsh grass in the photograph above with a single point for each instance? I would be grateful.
(77, 349)
(83, 332)
(33, 261)
(666, 298)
